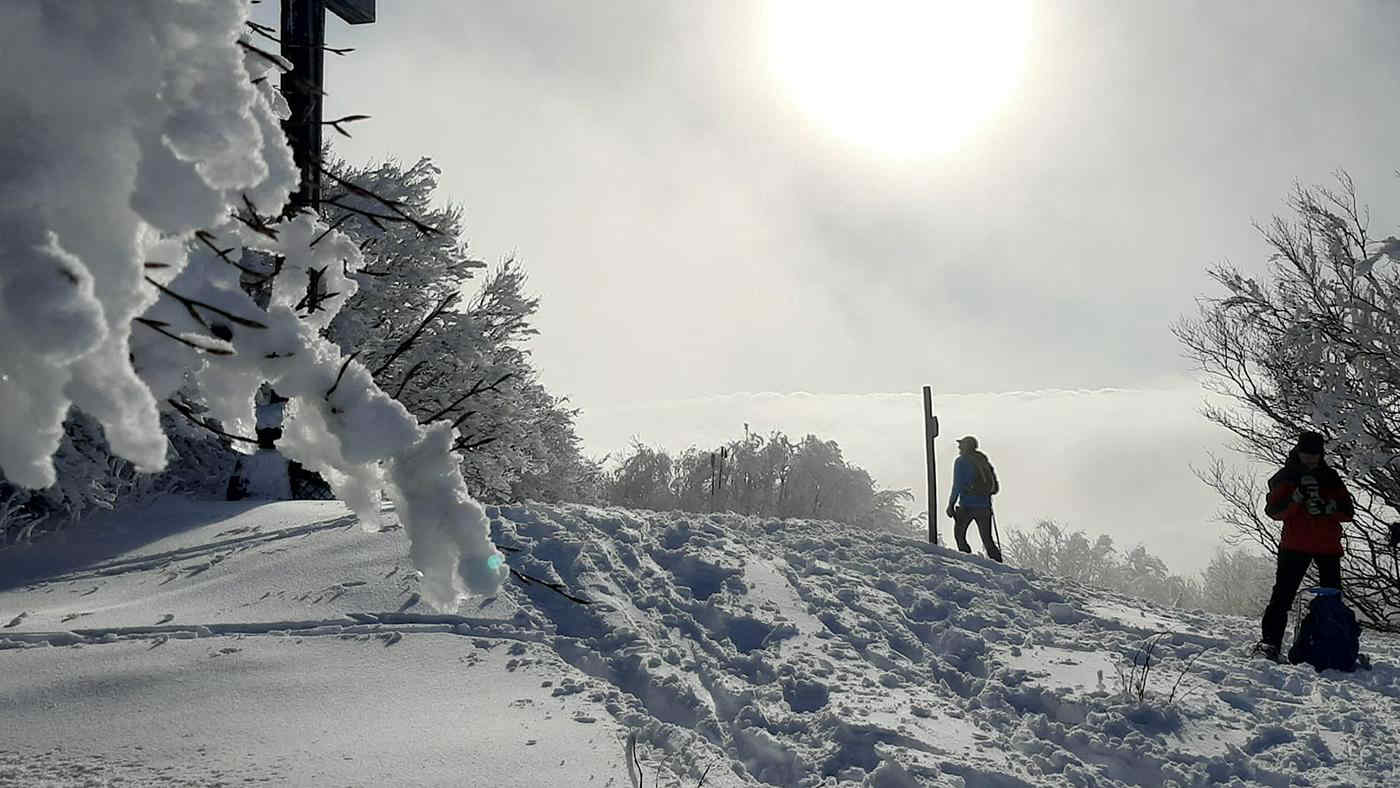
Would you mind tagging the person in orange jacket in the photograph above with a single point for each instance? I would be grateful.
(1311, 500)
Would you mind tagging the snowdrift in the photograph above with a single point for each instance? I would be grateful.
(201, 643)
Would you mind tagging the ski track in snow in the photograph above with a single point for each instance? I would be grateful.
(800, 653)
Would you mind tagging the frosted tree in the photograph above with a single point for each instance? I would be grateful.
(643, 480)
(142, 170)
(1051, 549)
(762, 476)
(1315, 345)
(447, 356)
(1095, 561)
(1237, 582)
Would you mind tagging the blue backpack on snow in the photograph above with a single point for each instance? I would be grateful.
(1328, 637)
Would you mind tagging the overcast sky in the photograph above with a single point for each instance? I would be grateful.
(698, 237)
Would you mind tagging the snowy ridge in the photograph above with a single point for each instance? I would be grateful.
(746, 650)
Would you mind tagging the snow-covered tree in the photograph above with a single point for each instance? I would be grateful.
(140, 169)
(1236, 582)
(555, 467)
(771, 477)
(643, 480)
(89, 477)
(1316, 345)
(447, 357)
(1050, 549)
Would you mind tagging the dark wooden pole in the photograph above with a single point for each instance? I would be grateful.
(931, 432)
(303, 43)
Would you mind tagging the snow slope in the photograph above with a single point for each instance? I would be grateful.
(206, 643)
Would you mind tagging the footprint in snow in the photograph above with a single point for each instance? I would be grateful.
(14, 622)
(410, 602)
(391, 638)
(90, 591)
(166, 619)
(72, 616)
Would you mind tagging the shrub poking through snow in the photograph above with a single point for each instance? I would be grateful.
(1133, 683)
(634, 765)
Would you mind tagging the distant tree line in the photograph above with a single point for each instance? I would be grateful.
(769, 476)
(1236, 582)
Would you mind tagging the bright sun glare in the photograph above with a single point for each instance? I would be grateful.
(905, 77)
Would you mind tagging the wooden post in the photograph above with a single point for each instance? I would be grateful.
(303, 38)
(931, 432)
(304, 45)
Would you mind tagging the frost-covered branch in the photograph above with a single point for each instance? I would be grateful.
(188, 143)
(188, 413)
(447, 301)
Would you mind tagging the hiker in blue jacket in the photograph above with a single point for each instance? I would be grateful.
(974, 484)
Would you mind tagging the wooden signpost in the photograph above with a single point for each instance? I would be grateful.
(304, 44)
(931, 432)
(303, 38)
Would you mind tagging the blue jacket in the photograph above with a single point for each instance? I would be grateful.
(963, 477)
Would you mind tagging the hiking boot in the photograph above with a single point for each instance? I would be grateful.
(1269, 651)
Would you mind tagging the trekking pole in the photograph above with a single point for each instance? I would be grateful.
(996, 534)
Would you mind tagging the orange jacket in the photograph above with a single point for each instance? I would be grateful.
(1314, 524)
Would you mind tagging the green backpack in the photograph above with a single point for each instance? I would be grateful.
(984, 480)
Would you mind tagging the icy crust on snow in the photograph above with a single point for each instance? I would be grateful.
(150, 128)
(810, 655)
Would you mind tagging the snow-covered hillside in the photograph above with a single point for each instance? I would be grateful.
(205, 643)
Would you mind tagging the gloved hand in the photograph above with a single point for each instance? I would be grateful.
(1331, 507)
(1297, 495)
(950, 511)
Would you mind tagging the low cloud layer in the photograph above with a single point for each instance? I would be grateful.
(1113, 461)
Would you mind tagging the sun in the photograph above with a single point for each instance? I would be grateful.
(902, 77)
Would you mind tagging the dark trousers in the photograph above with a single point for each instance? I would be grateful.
(962, 517)
(1292, 567)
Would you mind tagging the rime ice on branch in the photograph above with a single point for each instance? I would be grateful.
(147, 161)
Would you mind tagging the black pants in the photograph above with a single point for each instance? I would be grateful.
(962, 517)
(1292, 567)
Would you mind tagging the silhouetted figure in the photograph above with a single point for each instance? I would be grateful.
(1311, 500)
(974, 484)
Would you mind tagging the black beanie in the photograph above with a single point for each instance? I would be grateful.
(1310, 443)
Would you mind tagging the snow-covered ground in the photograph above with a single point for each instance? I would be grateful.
(213, 643)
